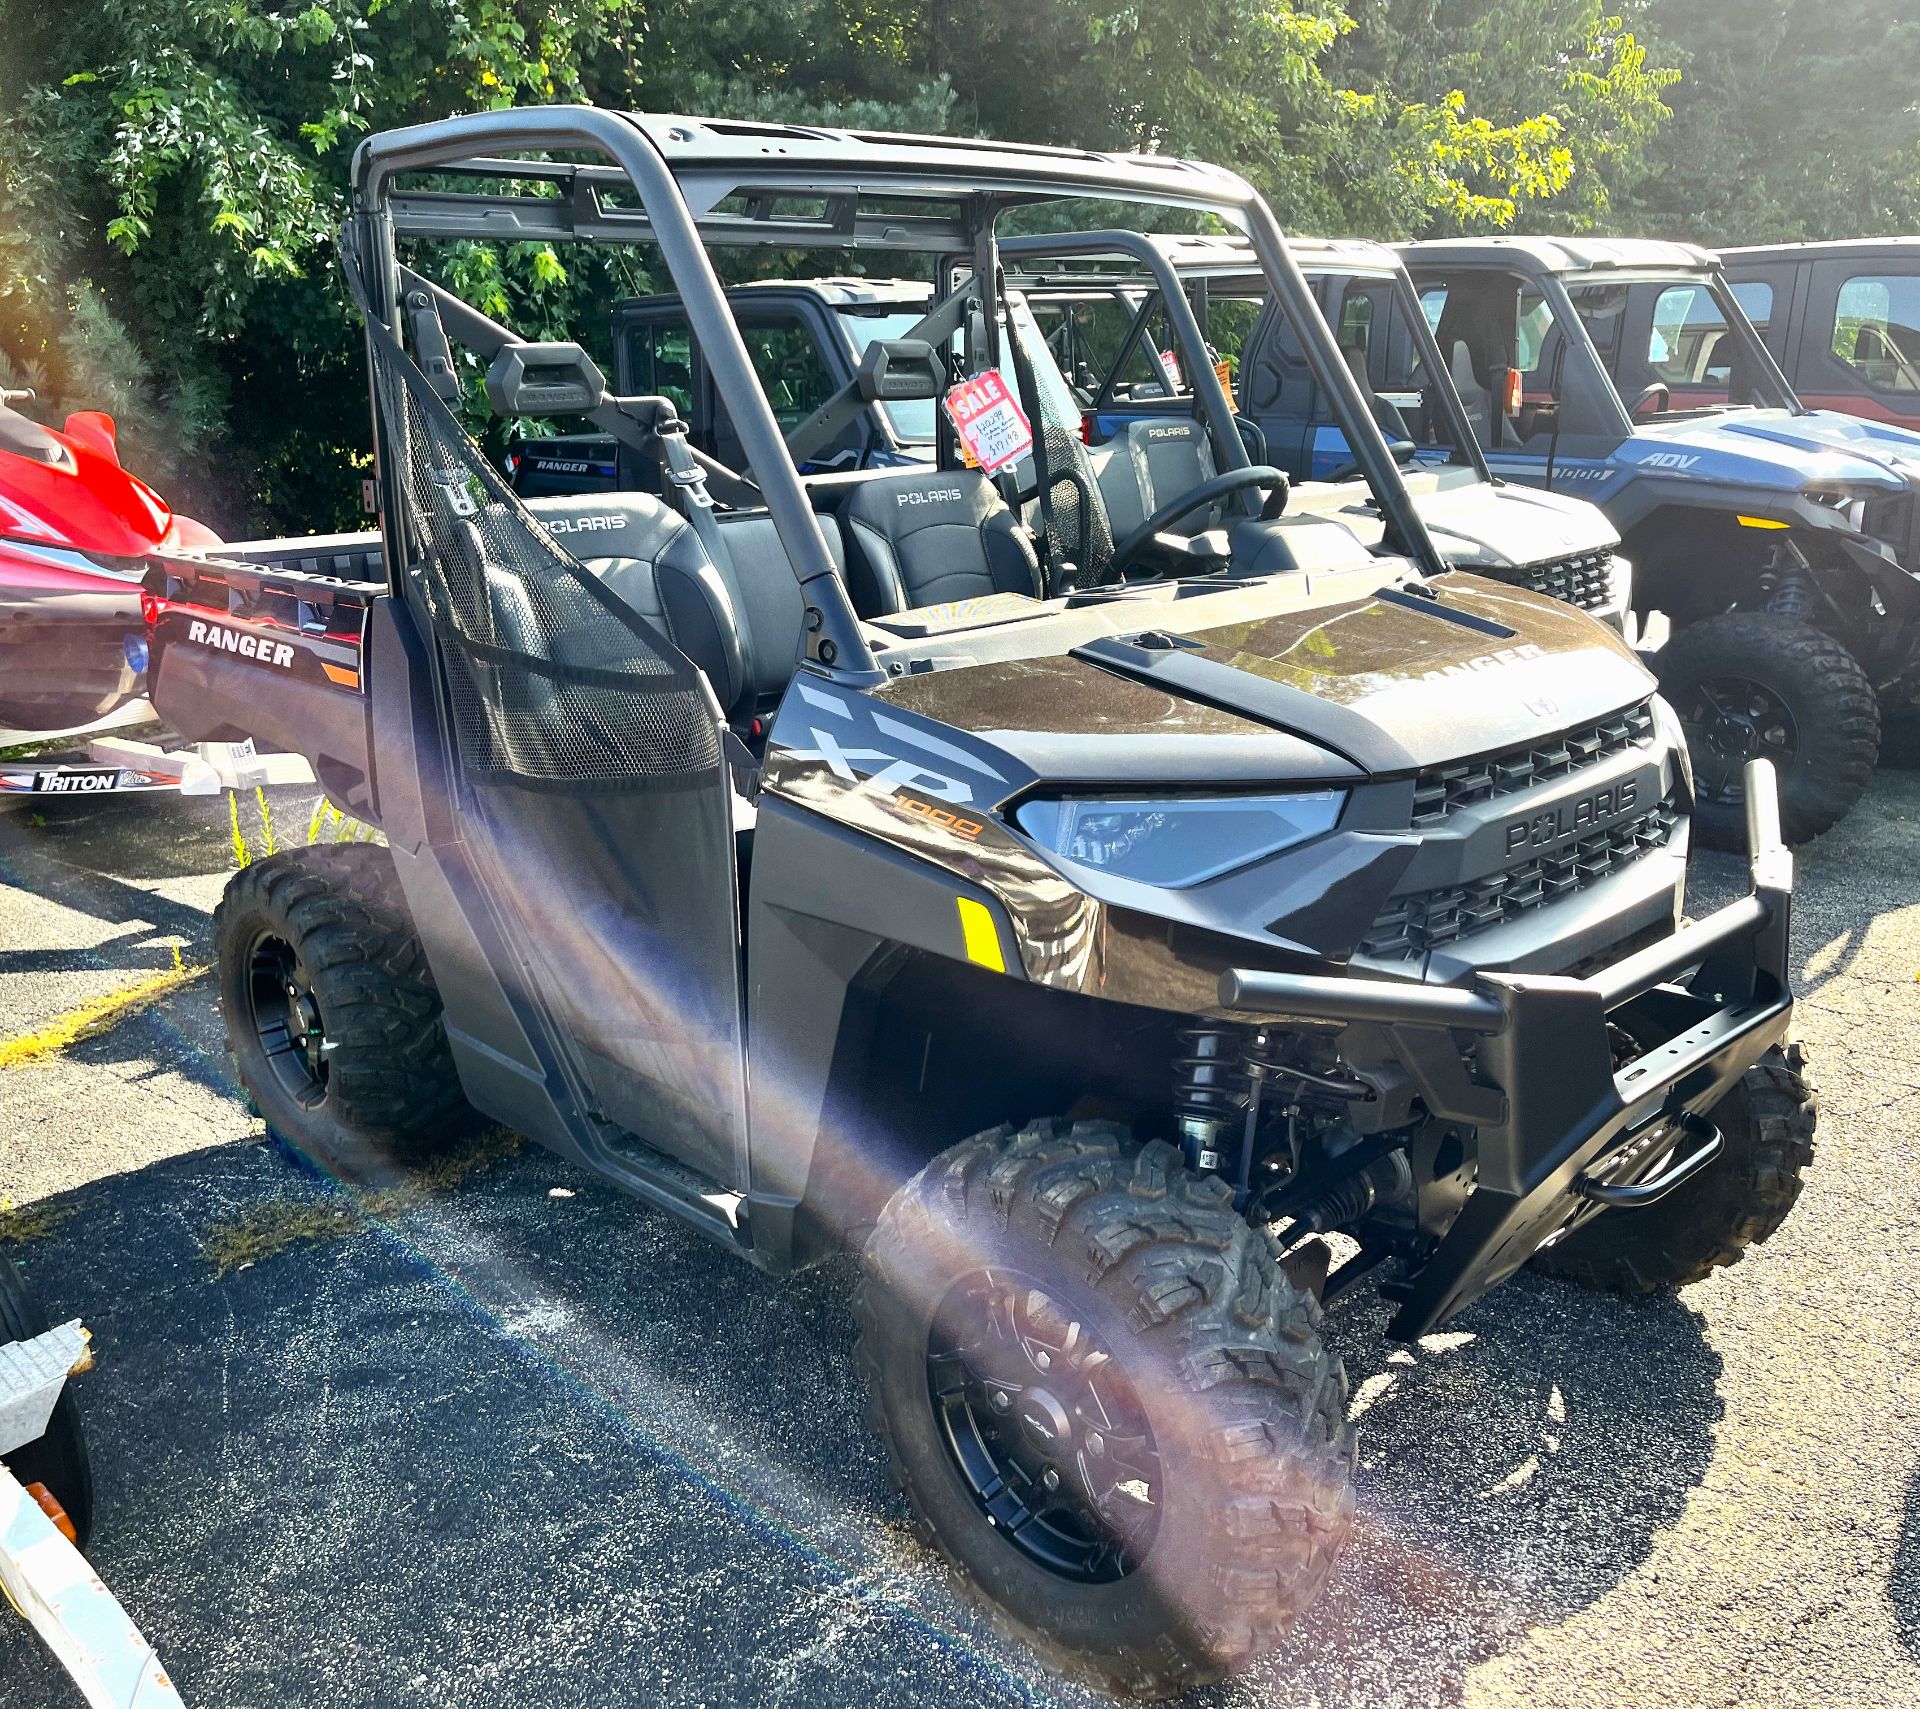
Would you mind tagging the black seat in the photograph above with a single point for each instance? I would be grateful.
(648, 556)
(1386, 415)
(1148, 463)
(928, 538)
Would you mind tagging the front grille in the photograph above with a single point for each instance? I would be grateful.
(1442, 790)
(1429, 919)
(1585, 580)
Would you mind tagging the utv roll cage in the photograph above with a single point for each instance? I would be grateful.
(1547, 264)
(703, 182)
(1182, 271)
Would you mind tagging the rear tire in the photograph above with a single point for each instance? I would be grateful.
(1749, 684)
(1767, 1122)
(1088, 1263)
(331, 1010)
(59, 1458)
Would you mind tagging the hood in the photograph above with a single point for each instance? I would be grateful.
(1478, 525)
(1776, 449)
(1249, 682)
(1894, 448)
(1502, 527)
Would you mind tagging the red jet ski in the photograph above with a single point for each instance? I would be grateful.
(74, 529)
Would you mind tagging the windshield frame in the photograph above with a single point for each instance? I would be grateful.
(1158, 271)
(1761, 362)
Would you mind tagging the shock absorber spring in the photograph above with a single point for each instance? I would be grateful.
(1793, 595)
(1209, 1091)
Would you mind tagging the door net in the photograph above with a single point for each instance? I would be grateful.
(555, 683)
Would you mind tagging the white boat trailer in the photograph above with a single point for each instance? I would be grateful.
(42, 1574)
(118, 765)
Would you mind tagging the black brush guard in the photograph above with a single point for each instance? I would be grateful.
(1528, 1061)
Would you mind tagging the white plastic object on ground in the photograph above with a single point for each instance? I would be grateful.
(43, 1575)
(32, 1374)
(207, 768)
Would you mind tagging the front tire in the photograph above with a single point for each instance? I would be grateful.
(1106, 1405)
(58, 1460)
(330, 1008)
(1739, 1200)
(1749, 685)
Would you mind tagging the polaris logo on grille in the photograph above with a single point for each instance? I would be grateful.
(946, 495)
(1539, 829)
(268, 652)
(586, 524)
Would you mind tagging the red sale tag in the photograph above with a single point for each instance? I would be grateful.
(994, 430)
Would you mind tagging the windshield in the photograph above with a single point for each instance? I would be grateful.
(1677, 344)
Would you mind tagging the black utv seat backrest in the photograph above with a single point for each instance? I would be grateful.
(930, 537)
(1475, 399)
(1386, 416)
(649, 557)
(768, 599)
(1153, 461)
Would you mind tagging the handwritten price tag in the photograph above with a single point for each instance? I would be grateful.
(994, 430)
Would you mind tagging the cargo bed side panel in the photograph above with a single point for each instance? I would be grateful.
(274, 655)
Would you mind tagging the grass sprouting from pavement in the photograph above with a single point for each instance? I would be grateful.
(98, 1013)
(22, 1223)
(264, 1230)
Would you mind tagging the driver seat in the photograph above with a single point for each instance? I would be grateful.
(1154, 459)
(930, 537)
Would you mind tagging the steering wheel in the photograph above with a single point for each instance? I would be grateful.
(1655, 399)
(1198, 498)
(1403, 451)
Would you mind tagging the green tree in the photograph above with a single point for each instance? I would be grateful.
(171, 170)
(1792, 121)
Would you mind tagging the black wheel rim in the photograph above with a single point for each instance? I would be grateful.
(285, 1016)
(1044, 1428)
(1731, 720)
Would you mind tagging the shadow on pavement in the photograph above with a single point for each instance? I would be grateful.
(531, 1443)
(1903, 1582)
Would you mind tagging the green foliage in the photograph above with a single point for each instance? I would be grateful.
(171, 171)
(1791, 122)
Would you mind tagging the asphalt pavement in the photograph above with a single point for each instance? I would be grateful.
(506, 1437)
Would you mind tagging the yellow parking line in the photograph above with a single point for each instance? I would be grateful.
(96, 1015)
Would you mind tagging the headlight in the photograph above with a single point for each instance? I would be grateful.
(1181, 840)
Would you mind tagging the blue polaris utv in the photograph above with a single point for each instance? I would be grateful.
(1780, 542)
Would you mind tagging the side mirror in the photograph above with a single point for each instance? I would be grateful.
(896, 369)
(544, 379)
(94, 429)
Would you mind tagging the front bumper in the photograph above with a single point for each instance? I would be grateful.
(1527, 1060)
